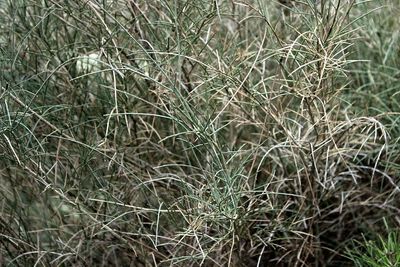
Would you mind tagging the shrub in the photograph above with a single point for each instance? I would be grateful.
(189, 133)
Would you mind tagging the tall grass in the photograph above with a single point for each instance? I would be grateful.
(194, 133)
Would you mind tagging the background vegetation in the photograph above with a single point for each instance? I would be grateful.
(197, 133)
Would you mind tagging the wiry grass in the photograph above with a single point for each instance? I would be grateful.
(188, 133)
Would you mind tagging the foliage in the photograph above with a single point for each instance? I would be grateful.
(196, 133)
(379, 253)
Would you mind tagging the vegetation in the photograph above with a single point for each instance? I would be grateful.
(197, 133)
(385, 252)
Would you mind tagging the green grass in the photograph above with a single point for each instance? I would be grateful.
(378, 252)
(196, 133)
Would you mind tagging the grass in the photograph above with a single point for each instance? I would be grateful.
(383, 252)
(196, 133)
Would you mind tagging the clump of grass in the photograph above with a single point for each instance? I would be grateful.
(374, 84)
(378, 252)
(186, 133)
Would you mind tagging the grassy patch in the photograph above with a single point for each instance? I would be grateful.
(378, 251)
(196, 133)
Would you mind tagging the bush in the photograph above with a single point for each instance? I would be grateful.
(188, 133)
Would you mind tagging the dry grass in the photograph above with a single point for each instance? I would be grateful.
(188, 133)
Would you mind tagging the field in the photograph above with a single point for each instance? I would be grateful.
(199, 133)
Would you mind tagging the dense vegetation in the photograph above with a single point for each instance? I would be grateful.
(199, 133)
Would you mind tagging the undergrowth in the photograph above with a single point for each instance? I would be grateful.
(196, 133)
(377, 251)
